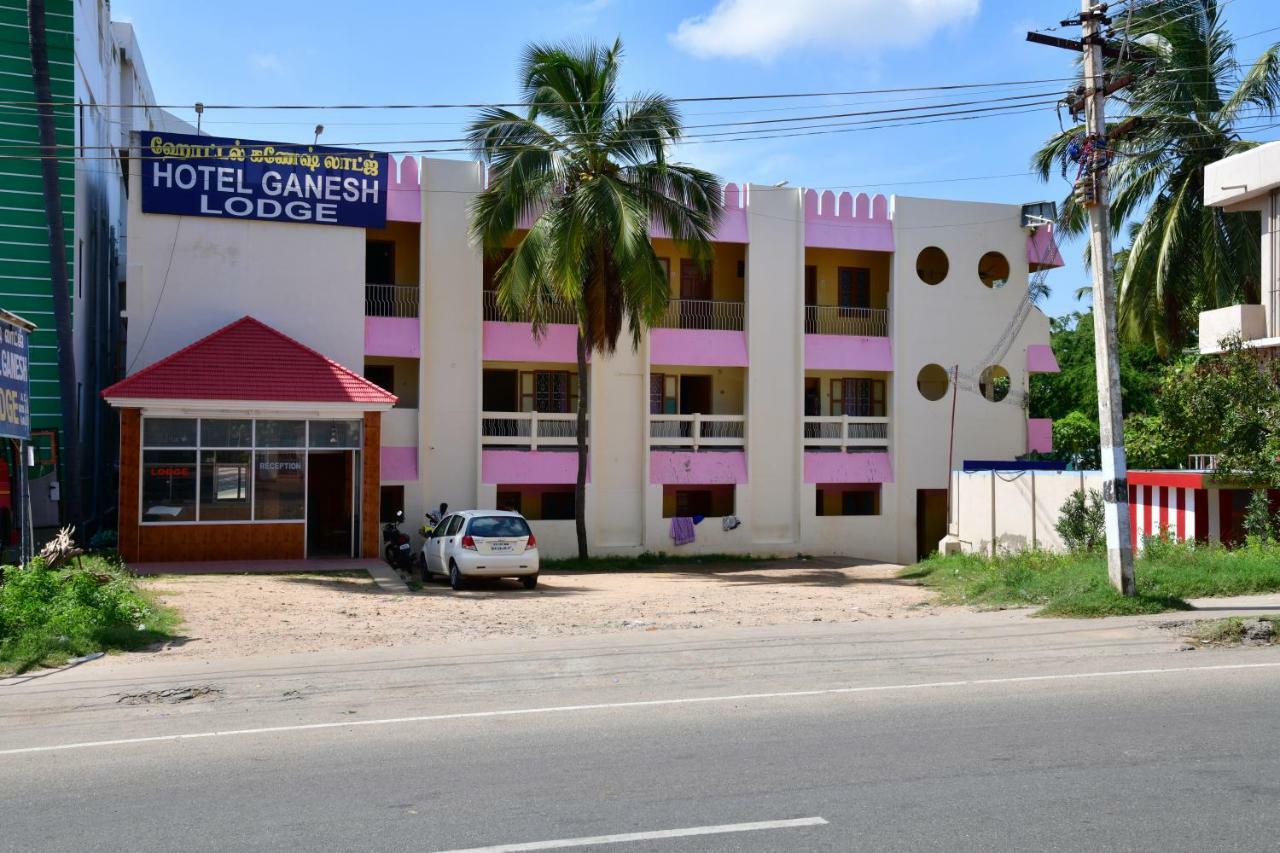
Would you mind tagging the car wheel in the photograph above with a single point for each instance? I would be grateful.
(455, 577)
(529, 581)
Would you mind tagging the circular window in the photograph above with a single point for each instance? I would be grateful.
(932, 265)
(994, 383)
(933, 382)
(993, 270)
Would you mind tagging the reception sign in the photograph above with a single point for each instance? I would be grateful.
(15, 395)
(280, 182)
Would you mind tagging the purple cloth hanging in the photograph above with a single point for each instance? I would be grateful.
(682, 530)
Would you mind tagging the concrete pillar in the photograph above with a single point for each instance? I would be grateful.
(619, 447)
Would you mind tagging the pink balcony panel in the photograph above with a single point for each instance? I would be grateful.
(847, 352)
(1040, 435)
(848, 468)
(530, 467)
(702, 468)
(1040, 359)
(847, 222)
(398, 463)
(703, 348)
(404, 190)
(392, 336)
(1042, 250)
(515, 342)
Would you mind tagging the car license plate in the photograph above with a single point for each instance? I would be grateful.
(500, 546)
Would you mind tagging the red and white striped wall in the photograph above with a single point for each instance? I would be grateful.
(1169, 506)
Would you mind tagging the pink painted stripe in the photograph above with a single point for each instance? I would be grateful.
(701, 348)
(702, 468)
(515, 342)
(847, 467)
(530, 467)
(397, 337)
(847, 352)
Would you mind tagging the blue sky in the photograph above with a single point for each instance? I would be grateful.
(238, 51)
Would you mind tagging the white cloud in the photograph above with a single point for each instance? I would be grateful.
(763, 29)
(270, 62)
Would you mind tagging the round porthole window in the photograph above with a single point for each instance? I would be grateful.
(994, 383)
(933, 382)
(932, 265)
(993, 270)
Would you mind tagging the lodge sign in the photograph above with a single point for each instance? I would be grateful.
(281, 182)
(15, 394)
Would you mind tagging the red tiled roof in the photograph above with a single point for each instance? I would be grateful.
(249, 360)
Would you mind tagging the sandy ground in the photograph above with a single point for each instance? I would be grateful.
(232, 615)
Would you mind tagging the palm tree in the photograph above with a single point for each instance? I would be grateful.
(1192, 100)
(592, 173)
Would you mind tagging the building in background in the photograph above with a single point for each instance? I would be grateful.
(797, 396)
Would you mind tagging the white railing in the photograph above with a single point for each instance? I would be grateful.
(846, 432)
(702, 314)
(1203, 462)
(834, 320)
(529, 429)
(391, 300)
(697, 431)
(553, 312)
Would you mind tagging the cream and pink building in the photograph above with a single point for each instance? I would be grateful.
(800, 385)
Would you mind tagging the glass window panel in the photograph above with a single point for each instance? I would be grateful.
(226, 433)
(169, 485)
(169, 432)
(224, 485)
(279, 485)
(281, 433)
(330, 434)
(498, 526)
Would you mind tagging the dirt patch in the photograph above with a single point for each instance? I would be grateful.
(230, 615)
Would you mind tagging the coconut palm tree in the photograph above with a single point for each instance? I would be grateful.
(590, 174)
(1192, 100)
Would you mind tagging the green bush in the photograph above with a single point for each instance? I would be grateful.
(47, 616)
(1080, 521)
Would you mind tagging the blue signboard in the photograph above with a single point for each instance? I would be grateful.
(15, 394)
(281, 182)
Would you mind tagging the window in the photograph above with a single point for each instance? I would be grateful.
(169, 432)
(279, 485)
(498, 525)
(379, 262)
(169, 485)
(933, 382)
(510, 501)
(848, 499)
(559, 505)
(863, 398)
(665, 263)
(334, 434)
(854, 287)
(549, 391)
(549, 502)
(224, 485)
(382, 375)
(392, 500)
(280, 433)
(491, 265)
(712, 501)
(993, 382)
(993, 270)
(932, 265)
(226, 433)
(455, 524)
(695, 279)
(663, 394)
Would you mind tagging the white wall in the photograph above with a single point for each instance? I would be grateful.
(1016, 511)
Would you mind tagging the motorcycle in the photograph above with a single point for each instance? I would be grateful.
(396, 549)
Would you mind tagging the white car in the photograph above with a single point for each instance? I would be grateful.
(481, 543)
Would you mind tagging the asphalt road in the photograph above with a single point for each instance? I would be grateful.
(1037, 739)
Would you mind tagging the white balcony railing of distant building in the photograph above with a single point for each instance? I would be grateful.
(1203, 462)
(529, 429)
(834, 320)
(554, 312)
(391, 300)
(709, 314)
(846, 432)
(697, 432)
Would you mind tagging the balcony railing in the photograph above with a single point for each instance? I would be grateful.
(1203, 462)
(391, 300)
(697, 431)
(528, 429)
(554, 312)
(834, 320)
(711, 314)
(846, 432)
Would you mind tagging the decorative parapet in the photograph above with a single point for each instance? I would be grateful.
(847, 222)
(1042, 249)
(732, 227)
(404, 190)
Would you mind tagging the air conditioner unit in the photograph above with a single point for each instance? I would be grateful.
(1039, 213)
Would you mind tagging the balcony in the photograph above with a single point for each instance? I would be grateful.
(554, 312)
(531, 430)
(391, 300)
(1246, 322)
(846, 433)
(697, 432)
(835, 320)
(706, 314)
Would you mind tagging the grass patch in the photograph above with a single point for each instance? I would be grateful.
(1229, 631)
(1076, 584)
(649, 561)
(48, 616)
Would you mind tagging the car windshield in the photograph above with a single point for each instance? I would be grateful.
(498, 525)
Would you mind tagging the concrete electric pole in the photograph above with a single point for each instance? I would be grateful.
(1115, 486)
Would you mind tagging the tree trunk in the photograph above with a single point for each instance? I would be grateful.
(580, 491)
(69, 448)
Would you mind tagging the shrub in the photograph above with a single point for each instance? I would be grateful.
(1080, 521)
(1259, 524)
(1075, 439)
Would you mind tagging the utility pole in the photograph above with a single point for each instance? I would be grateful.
(1115, 471)
(67, 385)
(1092, 192)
